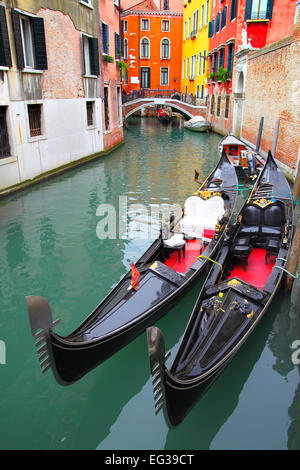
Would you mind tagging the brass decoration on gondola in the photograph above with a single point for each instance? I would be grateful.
(263, 202)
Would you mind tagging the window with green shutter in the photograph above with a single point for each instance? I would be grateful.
(30, 41)
(233, 9)
(5, 56)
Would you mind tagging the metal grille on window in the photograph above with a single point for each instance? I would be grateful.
(4, 141)
(89, 113)
(34, 116)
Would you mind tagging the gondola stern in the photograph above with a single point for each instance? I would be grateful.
(41, 325)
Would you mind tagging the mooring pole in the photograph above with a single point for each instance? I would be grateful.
(259, 134)
(276, 131)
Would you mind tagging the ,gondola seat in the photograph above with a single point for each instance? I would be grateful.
(200, 214)
(272, 247)
(273, 220)
(241, 249)
(251, 221)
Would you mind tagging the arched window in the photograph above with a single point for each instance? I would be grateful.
(145, 48)
(212, 107)
(165, 49)
(125, 48)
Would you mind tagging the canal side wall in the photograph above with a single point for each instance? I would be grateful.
(69, 98)
(272, 91)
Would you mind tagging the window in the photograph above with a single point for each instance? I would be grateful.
(164, 76)
(187, 67)
(224, 17)
(230, 57)
(212, 105)
(195, 22)
(165, 49)
(197, 92)
(202, 91)
(35, 119)
(166, 5)
(207, 11)
(125, 48)
(90, 113)
(5, 56)
(218, 105)
(193, 67)
(227, 106)
(183, 68)
(211, 28)
(199, 64)
(258, 9)
(221, 58)
(189, 30)
(203, 62)
(117, 46)
(165, 25)
(145, 25)
(4, 139)
(106, 109)
(202, 16)
(30, 43)
(145, 43)
(105, 38)
(90, 55)
(233, 9)
(125, 26)
(119, 101)
(184, 32)
(145, 77)
(217, 26)
(215, 64)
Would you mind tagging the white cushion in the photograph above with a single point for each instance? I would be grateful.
(200, 214)
(176, 240)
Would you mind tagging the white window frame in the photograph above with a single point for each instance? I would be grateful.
(189, 27)
(125, 26)
(27, 41)
(204, 62)
(145, 57)
(202, 16)
(207, 12)
(199, 64)
(87, 57)
(184, 31)
(193, 66)
(187, 67)
(168, 22)
(169, 56)
(164, 84)
(195, 15)
(125, 48)
(183, 68)
(145, 19)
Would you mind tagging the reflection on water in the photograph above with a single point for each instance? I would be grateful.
(49, 247)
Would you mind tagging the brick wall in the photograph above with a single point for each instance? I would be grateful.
(63, 79)
(273, 91)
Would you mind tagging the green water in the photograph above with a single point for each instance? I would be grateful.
(49, 247)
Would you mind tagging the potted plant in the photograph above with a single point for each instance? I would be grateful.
(108, 58)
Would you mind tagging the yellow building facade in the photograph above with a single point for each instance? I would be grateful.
(195, 47)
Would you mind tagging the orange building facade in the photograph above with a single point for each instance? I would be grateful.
(152, 44)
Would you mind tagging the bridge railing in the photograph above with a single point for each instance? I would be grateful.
(147, 93)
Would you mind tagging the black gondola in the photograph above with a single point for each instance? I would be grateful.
(167, 270)
(235, 296)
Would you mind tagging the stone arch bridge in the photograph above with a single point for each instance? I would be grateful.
(133, 103)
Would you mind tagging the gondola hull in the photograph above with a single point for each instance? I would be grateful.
(128, 310)
(234, 298)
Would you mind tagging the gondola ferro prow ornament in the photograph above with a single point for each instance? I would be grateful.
(41, 322)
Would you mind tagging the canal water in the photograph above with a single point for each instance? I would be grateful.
(50, 246)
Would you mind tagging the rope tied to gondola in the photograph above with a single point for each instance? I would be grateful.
(213, 261)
